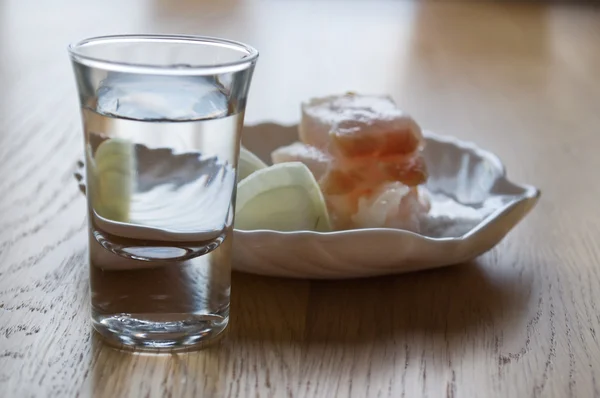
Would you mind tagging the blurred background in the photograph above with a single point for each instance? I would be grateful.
(308, 48)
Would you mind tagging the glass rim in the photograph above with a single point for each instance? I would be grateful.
(140, 67)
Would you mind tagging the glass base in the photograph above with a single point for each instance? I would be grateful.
(147, 250)
(167, 332)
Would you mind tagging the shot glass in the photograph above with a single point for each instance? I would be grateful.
(162, 118)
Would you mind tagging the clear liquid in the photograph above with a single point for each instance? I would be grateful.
(168, 183)
(161, 173)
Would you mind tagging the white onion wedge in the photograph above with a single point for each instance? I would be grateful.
(283, 197)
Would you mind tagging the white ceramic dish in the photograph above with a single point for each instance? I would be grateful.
(474, 206)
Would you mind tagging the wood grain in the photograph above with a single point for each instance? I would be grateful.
(522, 321)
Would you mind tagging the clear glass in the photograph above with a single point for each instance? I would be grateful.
(162, 118)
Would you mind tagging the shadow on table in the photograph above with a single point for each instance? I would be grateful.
(447, 303)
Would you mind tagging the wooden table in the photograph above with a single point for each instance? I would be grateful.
(522, 79)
